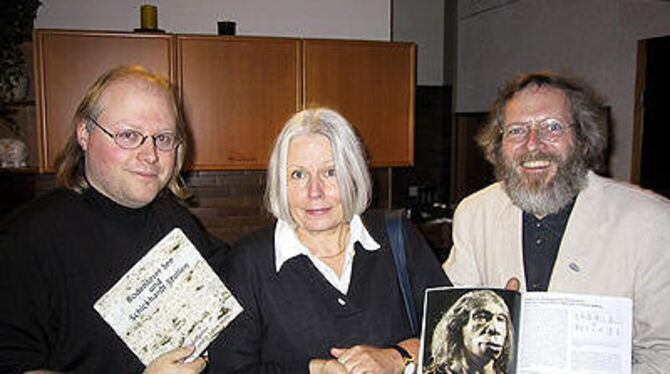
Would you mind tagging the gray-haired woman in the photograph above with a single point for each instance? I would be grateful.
(319, 287)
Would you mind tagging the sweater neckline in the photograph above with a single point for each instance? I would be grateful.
(113, 210)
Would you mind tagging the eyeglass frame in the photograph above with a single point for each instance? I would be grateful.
(177, 139)
(541, 132)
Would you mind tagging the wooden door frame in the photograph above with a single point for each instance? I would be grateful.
(638, 111)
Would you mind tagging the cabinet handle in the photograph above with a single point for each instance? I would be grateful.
(241, 159)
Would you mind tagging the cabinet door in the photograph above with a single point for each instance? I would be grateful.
(372, 84)
(237, 92)
(68, 62)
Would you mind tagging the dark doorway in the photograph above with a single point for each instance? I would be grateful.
(653, 131)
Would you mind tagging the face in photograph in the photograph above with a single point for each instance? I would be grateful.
(474, 335)
(485, 332)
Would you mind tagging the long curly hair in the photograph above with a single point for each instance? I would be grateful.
(448, 352)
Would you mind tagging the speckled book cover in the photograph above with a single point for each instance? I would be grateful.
(170, 298)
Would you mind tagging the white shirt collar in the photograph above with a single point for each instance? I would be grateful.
(287, 244)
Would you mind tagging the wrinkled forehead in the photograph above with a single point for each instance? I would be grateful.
(534, 100)
(490, 306)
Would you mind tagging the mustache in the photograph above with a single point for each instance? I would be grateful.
(494, 345)
(542, 199)
(537, 156)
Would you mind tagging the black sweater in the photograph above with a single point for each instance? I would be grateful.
(58, 256)
(295, 315)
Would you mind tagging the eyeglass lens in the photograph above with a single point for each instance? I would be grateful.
(548, 129)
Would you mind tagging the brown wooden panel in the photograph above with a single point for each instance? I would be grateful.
(70, 61)
(372, 84)
(470, 169)
(237, 93)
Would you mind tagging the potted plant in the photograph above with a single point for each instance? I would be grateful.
(16, 26)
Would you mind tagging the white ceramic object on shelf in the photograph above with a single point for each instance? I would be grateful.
(13, 153)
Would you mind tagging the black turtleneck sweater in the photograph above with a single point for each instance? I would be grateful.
(58, 255)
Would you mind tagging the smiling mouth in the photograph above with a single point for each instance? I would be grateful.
(318, 211)
(536, 164)
(146, 174)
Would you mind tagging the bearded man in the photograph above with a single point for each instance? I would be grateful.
(553, 224)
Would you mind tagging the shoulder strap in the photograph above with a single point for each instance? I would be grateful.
(395, 232)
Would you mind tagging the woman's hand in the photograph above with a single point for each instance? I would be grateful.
(368, 359)
(322, 366)
(171, 362)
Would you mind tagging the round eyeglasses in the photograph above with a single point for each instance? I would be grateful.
(547, 130)
(132, 139)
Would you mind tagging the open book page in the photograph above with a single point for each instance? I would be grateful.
(466, 327)
(168, 299)
(566, 333)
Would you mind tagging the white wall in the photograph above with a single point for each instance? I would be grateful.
(350, 19)
(594, 39)
(422, 22)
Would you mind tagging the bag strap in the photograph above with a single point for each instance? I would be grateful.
(395, 232)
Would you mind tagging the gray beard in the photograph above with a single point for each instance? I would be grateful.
(539, 198)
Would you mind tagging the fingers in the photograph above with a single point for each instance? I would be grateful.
(321, 366)
(343, 355)
(334, 367)
(172, 362)
(363, 359)
(337, 352)
(179, 354)
(513, 284)
(195, 366)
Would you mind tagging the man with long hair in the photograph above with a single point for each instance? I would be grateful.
(120, 184)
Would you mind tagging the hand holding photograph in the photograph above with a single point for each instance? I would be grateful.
(469, 330)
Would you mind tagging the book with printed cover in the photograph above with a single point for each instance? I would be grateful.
(170, 298)
(468, 330)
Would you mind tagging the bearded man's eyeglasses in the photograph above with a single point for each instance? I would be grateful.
(132, 139)
(547, 130)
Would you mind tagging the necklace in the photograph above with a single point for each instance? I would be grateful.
(332, 256)
(342, 240)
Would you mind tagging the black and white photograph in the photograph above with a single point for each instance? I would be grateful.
(469, 331)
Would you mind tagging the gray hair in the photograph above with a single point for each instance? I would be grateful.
(349, 158)
(586, 106)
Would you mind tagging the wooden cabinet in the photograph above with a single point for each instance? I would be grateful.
(237, 92)
(68, 62)
(372, 84)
